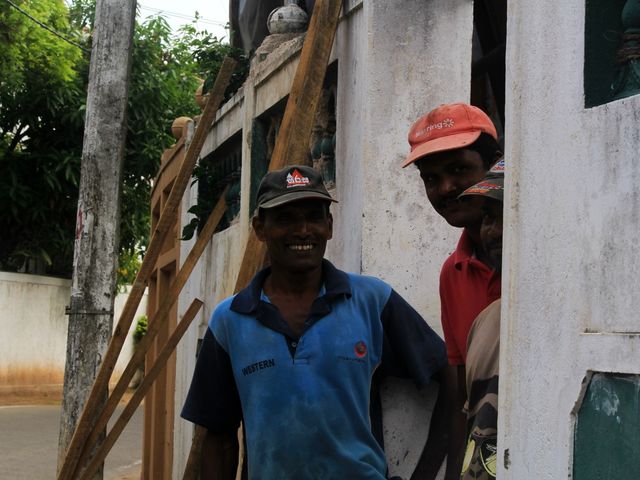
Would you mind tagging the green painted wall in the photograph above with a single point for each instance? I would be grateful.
(607, 436)
(603, 35)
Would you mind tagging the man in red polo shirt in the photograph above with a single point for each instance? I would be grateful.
(453, 147)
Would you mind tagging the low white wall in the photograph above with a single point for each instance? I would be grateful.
(34, 332)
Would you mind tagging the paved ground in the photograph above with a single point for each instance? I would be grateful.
(29, 440)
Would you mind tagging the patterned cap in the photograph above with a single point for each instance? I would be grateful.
(491, 186)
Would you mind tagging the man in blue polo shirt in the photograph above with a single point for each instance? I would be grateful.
(297, 356)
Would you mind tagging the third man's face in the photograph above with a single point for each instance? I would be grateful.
(445, 176)
(296, 234)
(491, 231)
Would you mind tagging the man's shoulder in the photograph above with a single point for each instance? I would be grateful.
(449, 262)
(367, 283)
(457, 255)
(225, 304)
(223, 310)
(450, 270)
(489, 318)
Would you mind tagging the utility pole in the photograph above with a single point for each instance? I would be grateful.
(97, 226)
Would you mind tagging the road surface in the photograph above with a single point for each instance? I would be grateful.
(29, 443)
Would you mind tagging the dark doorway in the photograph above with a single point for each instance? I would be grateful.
(488, 59)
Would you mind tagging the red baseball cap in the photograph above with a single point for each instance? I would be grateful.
(448, 127)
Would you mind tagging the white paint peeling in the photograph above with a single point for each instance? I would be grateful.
(602, 397)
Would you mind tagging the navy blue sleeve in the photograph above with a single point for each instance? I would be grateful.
(411, 349)
(213, 400)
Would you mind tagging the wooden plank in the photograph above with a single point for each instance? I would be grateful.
(142, 390)
(292, 143)
(166, 221)
(253, 259)
(154, 326)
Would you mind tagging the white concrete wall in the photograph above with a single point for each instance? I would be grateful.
(570, 301)
(397, 59)
(417, 55)
(34, 332)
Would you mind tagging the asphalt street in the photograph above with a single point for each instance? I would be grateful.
(29, 442)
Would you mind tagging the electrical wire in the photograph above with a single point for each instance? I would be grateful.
(71, 42)
(181, 15)
(46, 27)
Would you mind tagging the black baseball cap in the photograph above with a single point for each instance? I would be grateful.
(295, 182)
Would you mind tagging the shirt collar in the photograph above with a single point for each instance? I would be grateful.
(465, 254)
(464, 251)
(336, 283)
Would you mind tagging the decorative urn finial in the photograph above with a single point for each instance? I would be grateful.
(287, 19)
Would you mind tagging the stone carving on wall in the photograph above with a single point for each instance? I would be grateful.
(627, 82)
(323, 137)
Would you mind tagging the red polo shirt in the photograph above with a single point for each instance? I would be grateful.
(467, 286)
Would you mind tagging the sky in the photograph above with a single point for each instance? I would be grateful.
(214, 13)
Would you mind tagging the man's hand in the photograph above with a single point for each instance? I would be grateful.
(458, 424)
(220, 456)
(436, 447)
(447, 428)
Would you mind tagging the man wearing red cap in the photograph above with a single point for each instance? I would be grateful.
(453, 147)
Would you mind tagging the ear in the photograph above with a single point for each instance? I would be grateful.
(258, 227)
(330, 220)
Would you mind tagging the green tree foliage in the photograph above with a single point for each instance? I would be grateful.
(41, 119)
(141, 329)
(163, 85)
(42, 102)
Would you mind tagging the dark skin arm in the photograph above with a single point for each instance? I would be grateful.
(219, 456)
(458, 425)
(445, 435)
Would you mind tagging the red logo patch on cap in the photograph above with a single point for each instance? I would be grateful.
(296, 179)
(360, 348)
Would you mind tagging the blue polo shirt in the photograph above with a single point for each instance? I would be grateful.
(306, 402)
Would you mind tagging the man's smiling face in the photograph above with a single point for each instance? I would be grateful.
(445, 176)
(296, 234)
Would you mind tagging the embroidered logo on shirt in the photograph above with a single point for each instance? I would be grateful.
(359, 354)
(360, 349)
(296, 179)
(254, 367)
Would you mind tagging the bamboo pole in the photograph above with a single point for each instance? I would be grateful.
(167, 218)
(159, 319)
(142, 390)
(292, 143)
